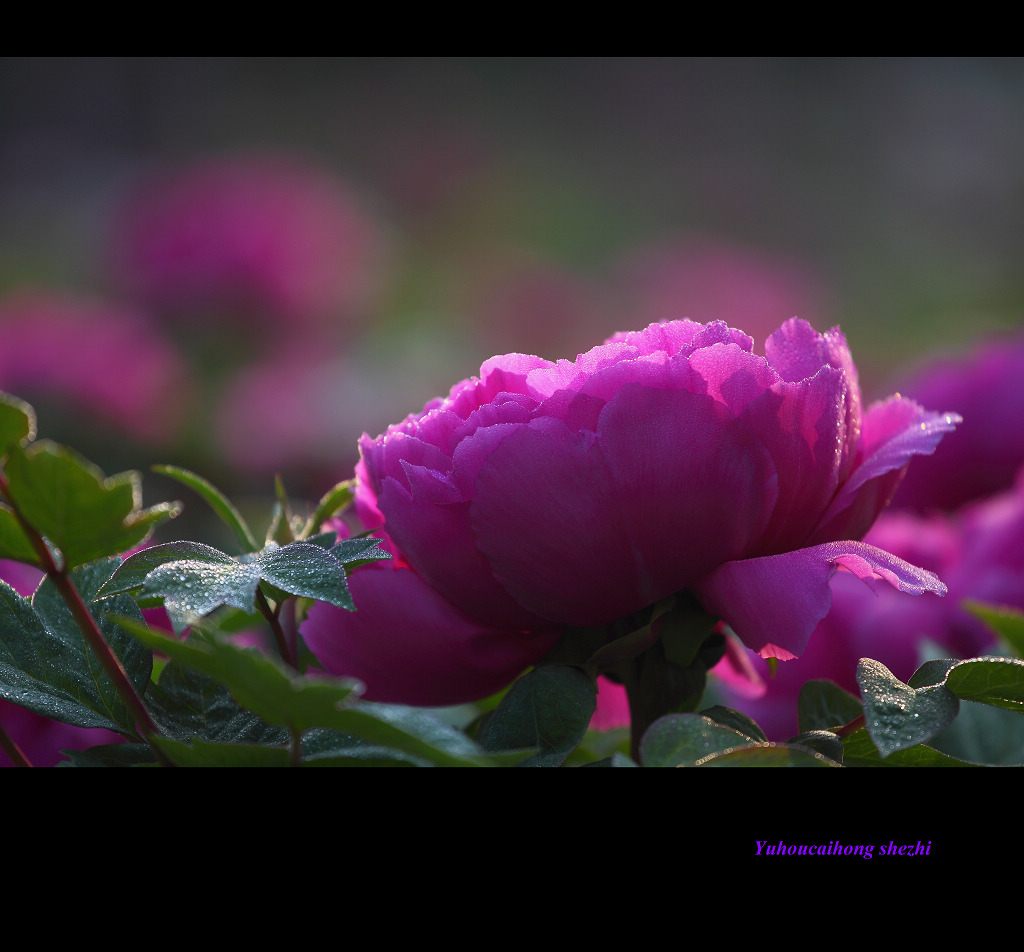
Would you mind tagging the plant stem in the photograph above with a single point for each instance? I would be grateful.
(855, 725)
(86, 623)
(9, 747)
(274, 621)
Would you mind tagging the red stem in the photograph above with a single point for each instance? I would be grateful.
(80, 611)
(9, 747)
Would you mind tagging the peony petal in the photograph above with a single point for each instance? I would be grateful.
(803, 425)
(411, 646)
(774, 603)
(893, 432)
(582, 531)
(438, 543)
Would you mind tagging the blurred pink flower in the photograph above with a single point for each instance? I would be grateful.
(258, 237)
(702, 280)
(106, 362)
(978, 552)
(294, 412)
(612, 709)
(533, 306)
(982, 456)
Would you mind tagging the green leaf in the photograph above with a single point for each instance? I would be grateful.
(191, 589)
(548, 708)
(418, 734)
(331, 502)
(130, 575)
(217, 501)
(47, 666)
(996, 681)
(17, 422)
(326, 748)
(897, 715)
(194, 579)
(201, 753)
(931, 672)
(617, 759)
(823, 705)
(82, 513)
(279, 696)
(111, 755)
(187, 704)
(306, 570)
(14, 544)
(258, 682)
(1007, 622)
(983, 734)
(860, 751)
(738, 721)
(824, 742)
(769, 755)
(355, 552)
(685, 740)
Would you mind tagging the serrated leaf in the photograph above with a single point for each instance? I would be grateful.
(217, 501)
(279, 696)
(69, 501)
(823, 705)
(355, 552)
(187, 704)
(684, 740)
(17, 422)
(191, 589)
(258, 682)
(47, 666)
(130, 575)
(897, 715)
(307, 570)
(194, 579)
(860, 751)
(548, 708)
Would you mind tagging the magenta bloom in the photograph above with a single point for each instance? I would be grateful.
(543, 495)
(107, 362)
(978, 551)
(982, 456)
(258, 237)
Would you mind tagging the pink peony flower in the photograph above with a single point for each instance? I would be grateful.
(979, 553)
(543, 495)
(259, 237)
(987, 388)
(107, 362)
